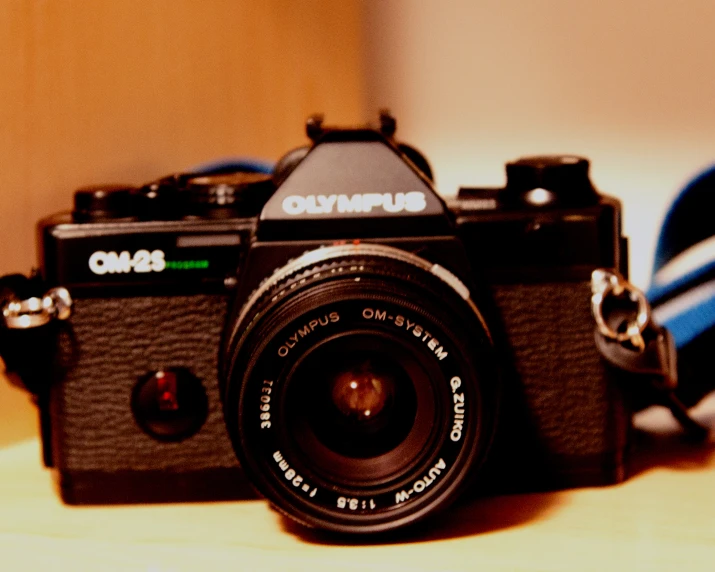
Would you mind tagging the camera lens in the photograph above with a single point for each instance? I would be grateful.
(359, 388)
(358, 407)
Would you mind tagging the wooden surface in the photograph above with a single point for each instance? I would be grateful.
(663, 518)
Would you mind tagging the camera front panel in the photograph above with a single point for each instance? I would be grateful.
(567, 422)
(535, 243)
(106, 444)
(133, 413)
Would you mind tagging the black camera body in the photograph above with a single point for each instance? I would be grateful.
(363, 351)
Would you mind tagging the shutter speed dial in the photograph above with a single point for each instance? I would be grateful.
(550, 180)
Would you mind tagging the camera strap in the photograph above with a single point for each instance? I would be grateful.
(642, 352)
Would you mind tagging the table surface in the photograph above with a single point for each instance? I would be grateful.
(663, 518)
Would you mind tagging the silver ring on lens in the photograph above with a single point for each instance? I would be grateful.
(605, 283)
(327, 254)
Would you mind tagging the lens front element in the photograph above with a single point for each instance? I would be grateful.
(359, 403)
(362, 392)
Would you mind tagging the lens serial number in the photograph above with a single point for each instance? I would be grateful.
(265, 404)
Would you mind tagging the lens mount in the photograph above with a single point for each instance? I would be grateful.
(360, 390)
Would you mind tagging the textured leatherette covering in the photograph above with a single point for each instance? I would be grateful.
(117, 341)
(564, 412)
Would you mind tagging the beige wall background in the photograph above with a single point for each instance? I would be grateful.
(128, 90)
(628, 83)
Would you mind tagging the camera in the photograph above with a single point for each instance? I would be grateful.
(361, 351)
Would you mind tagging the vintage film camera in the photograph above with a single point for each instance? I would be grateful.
(359, 349)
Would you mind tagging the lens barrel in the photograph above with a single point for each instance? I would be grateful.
(360, 390)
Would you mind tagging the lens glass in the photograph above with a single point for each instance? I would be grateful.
(360, 407)
(362, 391)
